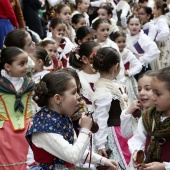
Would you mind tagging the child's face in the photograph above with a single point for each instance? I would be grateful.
(51, 50)
(70, 99)
(121, 43)
(102, 13)
(29, 45)
(19, 66)
(161, 95)
(89, 37)
(60, 29)
(102, 32)
(134, 26)
(145, 91)
(144, 17)
(65, 14)
(82, 22)
(84, 6)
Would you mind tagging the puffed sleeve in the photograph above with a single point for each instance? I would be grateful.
(150, 48)
(163, 30)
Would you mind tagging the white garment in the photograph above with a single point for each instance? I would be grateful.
(149, 47)
(39, 75)
(162, 28)
(135, 65)
(56, 2)
(125, 7)
(85, 15)
(86, 90)
(97, 3)
(152, 30)
(56, 145)
(137, 142)
(128, 124)
(16, 81)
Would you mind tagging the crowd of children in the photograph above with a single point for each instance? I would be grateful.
(94, 90)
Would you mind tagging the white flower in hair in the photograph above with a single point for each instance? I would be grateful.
(77, 56)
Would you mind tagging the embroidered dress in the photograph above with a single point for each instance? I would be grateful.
(15, 111)
(109, 100)
(49, 121)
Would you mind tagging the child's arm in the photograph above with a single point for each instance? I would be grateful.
(125, 10)
(152, 32)
(127, 119)
(135, 65)
(101, 116)
(163, 30)
(150, 48)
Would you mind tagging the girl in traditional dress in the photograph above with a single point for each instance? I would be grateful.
(64, 12)
(109, 100)
(58, 28)
(52, 136)
(132, 66)
(15, 105)
(82, 59)
(153, 132)
(162, 38)
(51, 48)
(140, 44)
(145, 15)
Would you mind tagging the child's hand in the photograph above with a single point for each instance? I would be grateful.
(134, 106)
(154, 166)
(113, 165)
(102, 152)
(135, 164)
(85, 121)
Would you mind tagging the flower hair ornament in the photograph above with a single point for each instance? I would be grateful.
(40, 89)
(76, 53)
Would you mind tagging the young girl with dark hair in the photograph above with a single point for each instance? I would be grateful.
(23, 41)
(58, 29)
(105, 12)
(64, 12)
(77, 21)
(162, 37)
(82, 59)
(84, 34)
(153, 128)
(109, 100)
(15, 105)
(145, 50)
(52, 136)
(132, 66)
(145, 15)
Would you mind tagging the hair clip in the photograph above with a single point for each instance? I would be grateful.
(93, 54)
(36, 98)
(77, 56)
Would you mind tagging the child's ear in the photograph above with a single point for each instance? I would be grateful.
(84, 59)
(7, 67)
(51, 29)
(57, 99)
(110, 16)
(79, 42)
